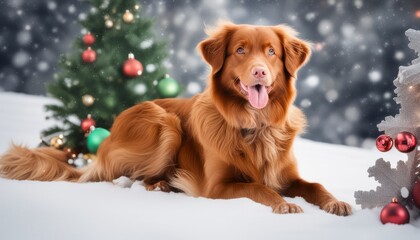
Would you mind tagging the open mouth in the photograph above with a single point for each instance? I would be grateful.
(257, 94)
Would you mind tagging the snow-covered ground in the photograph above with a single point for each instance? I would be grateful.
(62, 210)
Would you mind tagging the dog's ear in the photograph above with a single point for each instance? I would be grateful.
(296, 51)
(213, 49)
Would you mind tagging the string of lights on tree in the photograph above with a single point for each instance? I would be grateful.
(98, 84)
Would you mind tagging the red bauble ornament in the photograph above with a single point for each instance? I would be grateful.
(89, 56)
(132, 67)
(395, 213)
(405, 142)
(384, 143)
(88, 39)
(416, 194)
(87, 123)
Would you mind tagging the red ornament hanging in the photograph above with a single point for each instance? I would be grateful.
(87, 123)
(384, 143)
(88, 39)
(89, 55)
(416, 194)
(132, 67)
(405, 142)
(395, 213)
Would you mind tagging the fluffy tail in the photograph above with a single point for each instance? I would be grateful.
(42, 164)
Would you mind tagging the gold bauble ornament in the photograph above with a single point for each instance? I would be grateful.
(109, 23)
(89, 157)
(128, 17)
(88, 100)
(57, 141)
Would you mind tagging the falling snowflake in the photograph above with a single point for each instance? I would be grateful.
(312, 81)
(82, 16)
(52, 5)
(20, 59)
(305, 103)
(310, 16)
(71, 9)
(358, 4)
(399, 55)
(193, 88)
(331, 95)
(23, 38)
(375, 76)
(352, 114)
(43, 66)
(325, 27)
(150, 67)
(146, 44)
(140, 89)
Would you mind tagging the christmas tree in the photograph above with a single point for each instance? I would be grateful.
(403, 130)
(104, 74)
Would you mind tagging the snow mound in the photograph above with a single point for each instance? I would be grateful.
(125, 210)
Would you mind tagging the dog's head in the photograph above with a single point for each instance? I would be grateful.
(253, 69)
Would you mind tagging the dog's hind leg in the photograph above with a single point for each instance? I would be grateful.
(143, 144)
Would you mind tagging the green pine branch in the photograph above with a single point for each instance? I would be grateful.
(103, 79)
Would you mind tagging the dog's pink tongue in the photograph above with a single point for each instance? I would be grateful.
(258, 97)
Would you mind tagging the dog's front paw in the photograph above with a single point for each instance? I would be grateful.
(337, 207)
(159, 186)
(284, 208)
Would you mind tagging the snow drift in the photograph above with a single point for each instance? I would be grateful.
(62, 210)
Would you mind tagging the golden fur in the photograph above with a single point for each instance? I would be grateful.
(223, 143)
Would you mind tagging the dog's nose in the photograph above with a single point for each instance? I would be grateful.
(259, 72)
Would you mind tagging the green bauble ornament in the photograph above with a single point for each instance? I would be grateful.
(95, 138)
(168, 87)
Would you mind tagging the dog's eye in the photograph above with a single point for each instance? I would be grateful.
(240, 50)
(271, 51)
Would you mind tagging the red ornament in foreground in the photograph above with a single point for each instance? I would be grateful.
(132, 67)
(384, 143)
(395, 213)
(416, 194)
(89, 56)
(88, 39)
(405, 142)
(87, 123)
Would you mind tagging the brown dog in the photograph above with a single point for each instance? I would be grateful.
(233, 140)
